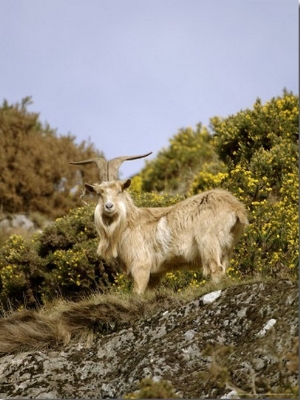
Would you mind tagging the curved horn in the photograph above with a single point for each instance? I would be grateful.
(101, 163)
(114, 165)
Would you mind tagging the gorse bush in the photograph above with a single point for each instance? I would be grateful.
(61, 261)
(264, 127)
(174, 168)
(21, 271)
(258, 149)
(253, 154)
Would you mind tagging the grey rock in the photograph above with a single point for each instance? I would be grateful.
(22, 221)
(180, 346)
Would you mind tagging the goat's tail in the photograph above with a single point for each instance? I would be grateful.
(240, 224)
(242, 217)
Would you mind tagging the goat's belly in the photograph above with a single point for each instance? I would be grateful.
(179, 263)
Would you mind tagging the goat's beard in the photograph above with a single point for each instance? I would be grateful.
(109, 229)
(108, 220)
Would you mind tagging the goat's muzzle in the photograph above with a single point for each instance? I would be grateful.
(109, 208)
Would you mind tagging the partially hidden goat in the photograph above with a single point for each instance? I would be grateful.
(198, 232)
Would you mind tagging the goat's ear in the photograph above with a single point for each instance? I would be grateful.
(126, 184)
(90, 188)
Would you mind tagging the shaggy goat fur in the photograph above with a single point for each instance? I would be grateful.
(199, 232)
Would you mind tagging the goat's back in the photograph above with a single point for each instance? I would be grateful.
(209, 220)
(215, 203)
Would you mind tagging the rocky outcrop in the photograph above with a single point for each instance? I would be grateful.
(22, 222)
(17, 221)
(240, 340)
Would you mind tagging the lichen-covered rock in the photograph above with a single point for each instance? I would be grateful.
(17, 221)
(204, 350)
(10, 224)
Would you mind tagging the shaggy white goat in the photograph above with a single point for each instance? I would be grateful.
(198, 232)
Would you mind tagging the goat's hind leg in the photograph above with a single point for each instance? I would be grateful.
(216, 270)
(210, 254)
(212, 265)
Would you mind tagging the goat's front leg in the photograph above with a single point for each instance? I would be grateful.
(141, 275)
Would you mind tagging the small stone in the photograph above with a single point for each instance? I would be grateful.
(211, 297)
(268, 326)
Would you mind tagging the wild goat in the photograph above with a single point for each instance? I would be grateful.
(199, 231)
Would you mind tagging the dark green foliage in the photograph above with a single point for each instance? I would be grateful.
(259, 149)
(60, 261)
(241, 136)
(69, 246)
(22, 271)
(174, 168)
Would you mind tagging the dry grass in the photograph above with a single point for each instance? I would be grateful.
(61, 321)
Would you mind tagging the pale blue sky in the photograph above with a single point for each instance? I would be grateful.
(128, 74)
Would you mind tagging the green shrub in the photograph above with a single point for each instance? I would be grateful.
(240, 136)
(260, 151)
(69, 248)
(61, 261)
(76, 227)
(174, 168)
(22, 271)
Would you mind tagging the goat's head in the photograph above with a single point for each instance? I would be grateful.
(111, 200)
(109, 189)
(108, 170)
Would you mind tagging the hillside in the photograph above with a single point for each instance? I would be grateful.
(65, 341)
(242, 341)
(254, 154)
